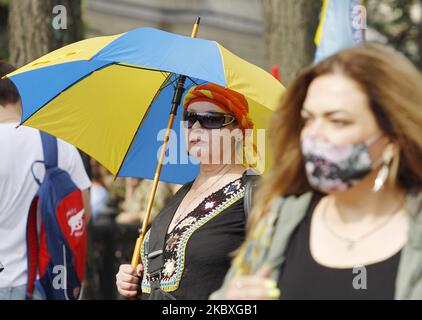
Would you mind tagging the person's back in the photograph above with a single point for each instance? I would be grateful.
(20, 148)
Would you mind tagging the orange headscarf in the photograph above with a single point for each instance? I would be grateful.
(228, 100)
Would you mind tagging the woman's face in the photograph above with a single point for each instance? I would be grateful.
(337, 111)
(211, 145)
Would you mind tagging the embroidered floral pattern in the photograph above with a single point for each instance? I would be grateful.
(177, 239)
(169, 268)
(186, 222)
(209, 205)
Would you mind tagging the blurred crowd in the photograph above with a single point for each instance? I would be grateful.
(126, 198)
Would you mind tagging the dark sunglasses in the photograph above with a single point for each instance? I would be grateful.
(208, 120)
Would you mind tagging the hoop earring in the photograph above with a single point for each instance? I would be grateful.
(384, 171)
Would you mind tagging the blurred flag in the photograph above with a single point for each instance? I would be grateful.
(342, 24)
(275, 71)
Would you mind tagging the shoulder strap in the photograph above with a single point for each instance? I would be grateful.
(154, 247)
(251, 182)
(49, 146)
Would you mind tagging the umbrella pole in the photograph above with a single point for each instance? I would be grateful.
(177, 97)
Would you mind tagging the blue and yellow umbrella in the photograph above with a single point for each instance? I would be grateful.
(111, 97)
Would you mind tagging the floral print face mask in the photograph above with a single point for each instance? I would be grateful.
(336, 167)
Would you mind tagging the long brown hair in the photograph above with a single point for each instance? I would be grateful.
(394, 88)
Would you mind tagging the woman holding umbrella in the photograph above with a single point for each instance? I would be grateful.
(144, 73)
(186, 253)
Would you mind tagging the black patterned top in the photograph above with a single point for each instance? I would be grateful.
(197, 251)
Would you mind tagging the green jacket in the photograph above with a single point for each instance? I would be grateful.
(272, 234)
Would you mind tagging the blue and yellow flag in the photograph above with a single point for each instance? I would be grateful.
(342, 25)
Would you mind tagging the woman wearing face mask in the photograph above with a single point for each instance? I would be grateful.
(205, 220)
(340, 214)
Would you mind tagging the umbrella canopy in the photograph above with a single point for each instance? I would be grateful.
(111, 96)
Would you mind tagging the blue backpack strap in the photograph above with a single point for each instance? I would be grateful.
(49, 146)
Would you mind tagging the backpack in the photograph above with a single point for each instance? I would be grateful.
(56, 232)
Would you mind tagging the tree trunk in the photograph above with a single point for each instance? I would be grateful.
(290, 27)
(31, 31)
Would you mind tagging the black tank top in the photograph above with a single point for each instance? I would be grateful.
(301, 277)
(196, 253)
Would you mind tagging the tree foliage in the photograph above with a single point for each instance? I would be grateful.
(400, 22)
